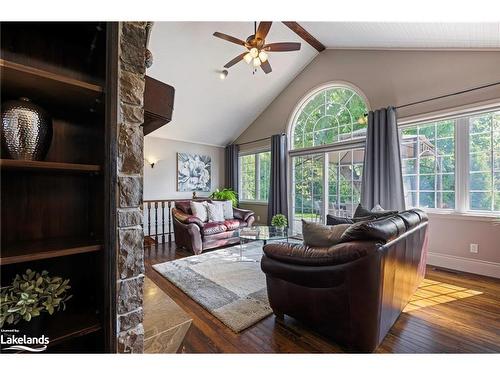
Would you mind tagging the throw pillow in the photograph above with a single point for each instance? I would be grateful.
(215, 212)
(227, 208)
(363, 214)
(320, 235)
(336, 220)
(199, 210)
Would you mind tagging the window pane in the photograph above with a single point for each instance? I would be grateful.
(445, 182)
(480, 201)
(410, 182)
(480, 181)
(480, 142)
(445, 164)
(409, 166)
(411, 199)
(480, 161)
(427, 182)
(265, 169)
(427, 200)
(445, 146)
(445, 199)
(427, 164)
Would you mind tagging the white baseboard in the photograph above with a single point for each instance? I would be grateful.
(480, 267)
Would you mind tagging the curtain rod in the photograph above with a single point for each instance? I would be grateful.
(257, 140)
(448, 95)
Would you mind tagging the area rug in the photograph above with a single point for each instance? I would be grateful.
(233, 291)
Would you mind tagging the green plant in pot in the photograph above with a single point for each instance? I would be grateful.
(32, 294)
(279, 221)
(226, 195)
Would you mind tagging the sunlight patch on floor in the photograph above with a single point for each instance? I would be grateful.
(431, 293)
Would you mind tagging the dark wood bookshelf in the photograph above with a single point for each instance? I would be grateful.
(44, 249)
(32, 165)
(57, 213)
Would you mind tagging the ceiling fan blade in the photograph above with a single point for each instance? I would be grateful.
(235, 60)
(282, 47)
(262, 30)
(266, 67)
(229, 38)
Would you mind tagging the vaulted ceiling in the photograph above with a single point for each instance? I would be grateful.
(213, 111)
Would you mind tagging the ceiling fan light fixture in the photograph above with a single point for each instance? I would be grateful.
(263, 56)
(256, 62)
(254, 52)
(223, 74)
(247, 58)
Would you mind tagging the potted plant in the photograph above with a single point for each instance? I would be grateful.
(279, 221)
(32, 295)
(226, 195)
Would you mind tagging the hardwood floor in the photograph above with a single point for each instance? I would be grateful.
(450, 313)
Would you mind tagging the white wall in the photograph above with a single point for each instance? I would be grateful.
(160, 182)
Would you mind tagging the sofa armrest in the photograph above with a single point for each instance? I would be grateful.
(186, 218)
(240, 213)
(300, 254)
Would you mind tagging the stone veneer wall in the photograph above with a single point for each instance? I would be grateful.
(130, 244)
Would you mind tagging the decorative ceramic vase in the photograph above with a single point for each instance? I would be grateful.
(26, 130)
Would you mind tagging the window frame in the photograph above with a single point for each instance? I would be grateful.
(462, 160)
(256, 176)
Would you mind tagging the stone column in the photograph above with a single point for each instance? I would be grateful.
(130, 239)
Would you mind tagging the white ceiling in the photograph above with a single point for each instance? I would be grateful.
(405, 35)
(207, 109)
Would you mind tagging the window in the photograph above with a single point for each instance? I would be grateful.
(484, 162)
(435, 155)
(255, 176)
(331, 115)
(327, 134)
(428, 162)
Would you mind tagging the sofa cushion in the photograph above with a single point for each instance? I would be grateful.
(335, 220)
(422, 214)
(410, 218)
(213, 228)
(233, 224)
(316, 234)
(362, 213)
(319, 256)
(385, 229)
(240, 213)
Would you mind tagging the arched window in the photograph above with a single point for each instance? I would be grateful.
(332, 114)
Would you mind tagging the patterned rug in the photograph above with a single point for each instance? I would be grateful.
(233, 291)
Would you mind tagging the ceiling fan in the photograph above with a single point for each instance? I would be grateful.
(256, 47)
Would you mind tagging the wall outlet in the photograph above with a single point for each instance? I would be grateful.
(474, 248)
(258, 218)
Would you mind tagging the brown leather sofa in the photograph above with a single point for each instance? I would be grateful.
(191, 233)
(354, 291)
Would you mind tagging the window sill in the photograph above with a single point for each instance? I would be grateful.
(258, 203)
(469, 216)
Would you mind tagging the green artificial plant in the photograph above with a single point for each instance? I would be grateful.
(32, 294)
(226, 195)
(279, 221)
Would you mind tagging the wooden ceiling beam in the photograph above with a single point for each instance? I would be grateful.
(304, 34)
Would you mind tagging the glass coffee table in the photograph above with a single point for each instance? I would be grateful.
(261, 233)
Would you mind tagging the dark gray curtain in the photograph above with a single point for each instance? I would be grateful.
(278, 194)
(382, 181)
(231, 167)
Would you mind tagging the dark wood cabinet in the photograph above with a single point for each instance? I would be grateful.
(58, 214)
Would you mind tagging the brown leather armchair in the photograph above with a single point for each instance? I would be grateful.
(191, 233)
(354, 291)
